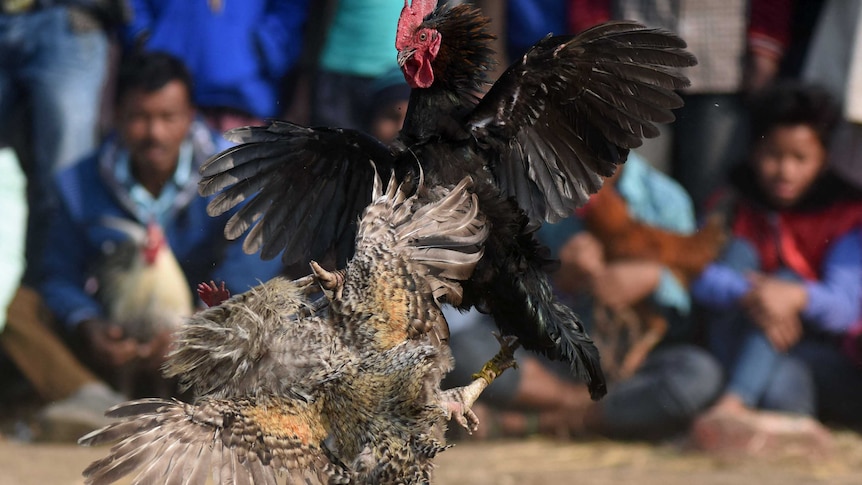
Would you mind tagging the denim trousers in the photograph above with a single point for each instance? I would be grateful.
(812, 378)
(59, 72)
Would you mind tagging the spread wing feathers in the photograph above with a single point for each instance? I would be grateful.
(439, 232)
(411, 254)
(303, 188)
(567, 113)
(246, 441)
(257, 341)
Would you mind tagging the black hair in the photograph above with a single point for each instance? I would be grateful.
(149, 72)
(792, 103)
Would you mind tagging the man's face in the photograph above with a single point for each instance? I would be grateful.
(153, 125)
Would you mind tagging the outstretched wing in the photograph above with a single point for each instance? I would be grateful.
(307, 187)
(272, 337)
(412, 252)
(438, 231)
(567, 113)
(236, 442)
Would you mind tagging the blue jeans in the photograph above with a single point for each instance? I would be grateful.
(757, 373)
(61, 74)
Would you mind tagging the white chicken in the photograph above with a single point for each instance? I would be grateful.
(142, 287)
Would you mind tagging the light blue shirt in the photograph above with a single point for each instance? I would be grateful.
(148, 207)
(655, 199)
(361, 39)
(652, 198)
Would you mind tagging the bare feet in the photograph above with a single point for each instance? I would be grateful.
(730, 427)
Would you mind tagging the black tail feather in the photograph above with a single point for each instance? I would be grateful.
(524, 305)
(577, 348)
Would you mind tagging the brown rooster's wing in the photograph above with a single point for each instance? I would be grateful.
(243, 441)
(567, 113)
(307, 187)
(412, 252)
(272, 337)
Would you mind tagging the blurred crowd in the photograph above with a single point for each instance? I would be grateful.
(719, 271)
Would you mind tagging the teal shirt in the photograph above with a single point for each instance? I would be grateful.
(656, 199)
(361, 39)
(652, 198)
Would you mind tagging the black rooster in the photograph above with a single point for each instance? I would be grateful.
(537, 144)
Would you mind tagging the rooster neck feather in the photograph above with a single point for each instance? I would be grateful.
(459, 74)
(465, 52)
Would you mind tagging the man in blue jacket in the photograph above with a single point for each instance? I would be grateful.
(146, 174)
(237, 52)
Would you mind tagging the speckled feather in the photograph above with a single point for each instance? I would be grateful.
(537, 144)
(295, 391)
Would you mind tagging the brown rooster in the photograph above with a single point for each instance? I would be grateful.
(341, 389)
(625, 337)
(536, 145)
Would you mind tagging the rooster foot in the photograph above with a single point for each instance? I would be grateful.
(460, 412)
(212, 294)
(329, 281)
(505, 359)
(457, 402)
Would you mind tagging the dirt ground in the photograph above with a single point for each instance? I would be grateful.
(527, 462)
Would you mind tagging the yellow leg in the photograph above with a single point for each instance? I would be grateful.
(458, 401)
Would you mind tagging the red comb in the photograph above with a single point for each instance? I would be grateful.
(411, 17)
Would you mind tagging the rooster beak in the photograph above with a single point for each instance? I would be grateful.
(404, 55)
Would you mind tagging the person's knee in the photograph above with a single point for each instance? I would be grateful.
(791, 389)
(741, 256)
(696, 379)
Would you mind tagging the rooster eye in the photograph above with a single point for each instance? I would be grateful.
(423, 36)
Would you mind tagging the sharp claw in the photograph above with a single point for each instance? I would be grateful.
(462, 415)
(332, 281)
(460, 419)
(457, 402)
(471, 421)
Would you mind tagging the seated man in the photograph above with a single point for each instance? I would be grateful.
(664, 390)
(131, 237)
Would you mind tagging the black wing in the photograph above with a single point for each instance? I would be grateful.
(566, 115)
(307, 188)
